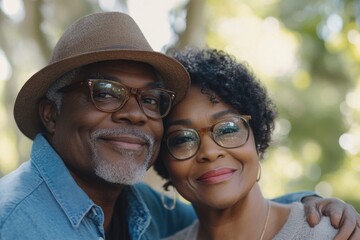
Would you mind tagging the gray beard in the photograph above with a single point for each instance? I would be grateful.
(125, 171)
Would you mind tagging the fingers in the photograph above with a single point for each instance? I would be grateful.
(337, 217)
(344, 234)
(346, 229)
(356, 234)
(339, 212)
(348, 225)
(313, 216)
(342, 216)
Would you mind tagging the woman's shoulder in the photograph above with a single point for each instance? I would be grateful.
(188, 233)
(296, 227)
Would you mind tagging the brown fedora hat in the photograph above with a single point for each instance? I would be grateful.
(94, 38)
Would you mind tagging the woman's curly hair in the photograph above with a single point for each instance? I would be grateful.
(220, 75)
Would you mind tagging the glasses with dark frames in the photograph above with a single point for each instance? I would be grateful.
(110, 96)
(230, 133)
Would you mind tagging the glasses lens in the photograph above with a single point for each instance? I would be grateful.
(156, 103)
(108, 96)
(230, 134)
(183, 144)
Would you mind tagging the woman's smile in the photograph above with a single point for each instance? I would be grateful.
(216, 175)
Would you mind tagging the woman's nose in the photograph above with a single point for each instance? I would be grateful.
(209, 150)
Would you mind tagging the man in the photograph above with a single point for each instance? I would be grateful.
(94, 114)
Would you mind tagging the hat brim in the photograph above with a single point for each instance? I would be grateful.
(26, 111)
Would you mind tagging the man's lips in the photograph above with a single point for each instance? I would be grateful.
(125, 141)
(217, 175)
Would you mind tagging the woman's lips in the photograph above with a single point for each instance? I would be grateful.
(216, 176)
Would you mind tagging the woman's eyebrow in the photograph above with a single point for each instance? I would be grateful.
(221, 114)
(185, 122)
(214, 117)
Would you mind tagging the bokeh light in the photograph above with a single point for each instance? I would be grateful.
(13, 8)
(6, 71)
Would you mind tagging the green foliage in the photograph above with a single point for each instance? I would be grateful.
(306, 52)
(312, 96)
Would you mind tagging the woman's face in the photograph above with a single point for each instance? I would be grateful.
(215, 176)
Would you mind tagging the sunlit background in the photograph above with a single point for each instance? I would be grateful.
(307, 53)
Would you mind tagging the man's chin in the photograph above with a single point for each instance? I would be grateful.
(124, 173)
(119, 154)
(122, 182)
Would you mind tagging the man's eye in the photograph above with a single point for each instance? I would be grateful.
(150, 100)
(103, 96)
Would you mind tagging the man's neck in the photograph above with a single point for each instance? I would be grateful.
(103, 194)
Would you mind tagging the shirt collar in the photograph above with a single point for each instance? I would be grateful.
(72, 199)
(139, 214)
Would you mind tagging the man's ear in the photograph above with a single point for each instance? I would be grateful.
(48, 114)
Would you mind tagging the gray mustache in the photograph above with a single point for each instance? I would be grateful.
(122, 131)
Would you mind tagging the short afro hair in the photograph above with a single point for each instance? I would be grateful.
(220, 75)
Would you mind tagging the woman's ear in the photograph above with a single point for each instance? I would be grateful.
(48, 114)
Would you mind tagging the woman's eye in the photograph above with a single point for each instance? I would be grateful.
(228, 129)
(182, 139)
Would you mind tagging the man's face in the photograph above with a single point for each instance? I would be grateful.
(116, 147)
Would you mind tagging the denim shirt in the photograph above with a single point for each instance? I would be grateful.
(41, 200)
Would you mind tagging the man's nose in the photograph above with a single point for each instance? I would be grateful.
(131, 112)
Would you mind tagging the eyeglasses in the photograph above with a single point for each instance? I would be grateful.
(231, 133)
(110, 96)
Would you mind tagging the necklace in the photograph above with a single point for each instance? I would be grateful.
(267, 219)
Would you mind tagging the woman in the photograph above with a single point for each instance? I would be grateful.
(214, 140)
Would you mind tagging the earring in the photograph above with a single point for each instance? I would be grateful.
(166, 206)
(259, 172)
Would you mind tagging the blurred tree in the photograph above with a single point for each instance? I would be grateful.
(307, 53)
(311, 97)
(310, 93)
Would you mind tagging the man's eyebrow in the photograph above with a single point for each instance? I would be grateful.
(157, 84)
(101, 76)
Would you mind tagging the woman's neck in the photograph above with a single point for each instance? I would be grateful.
(243, 220)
